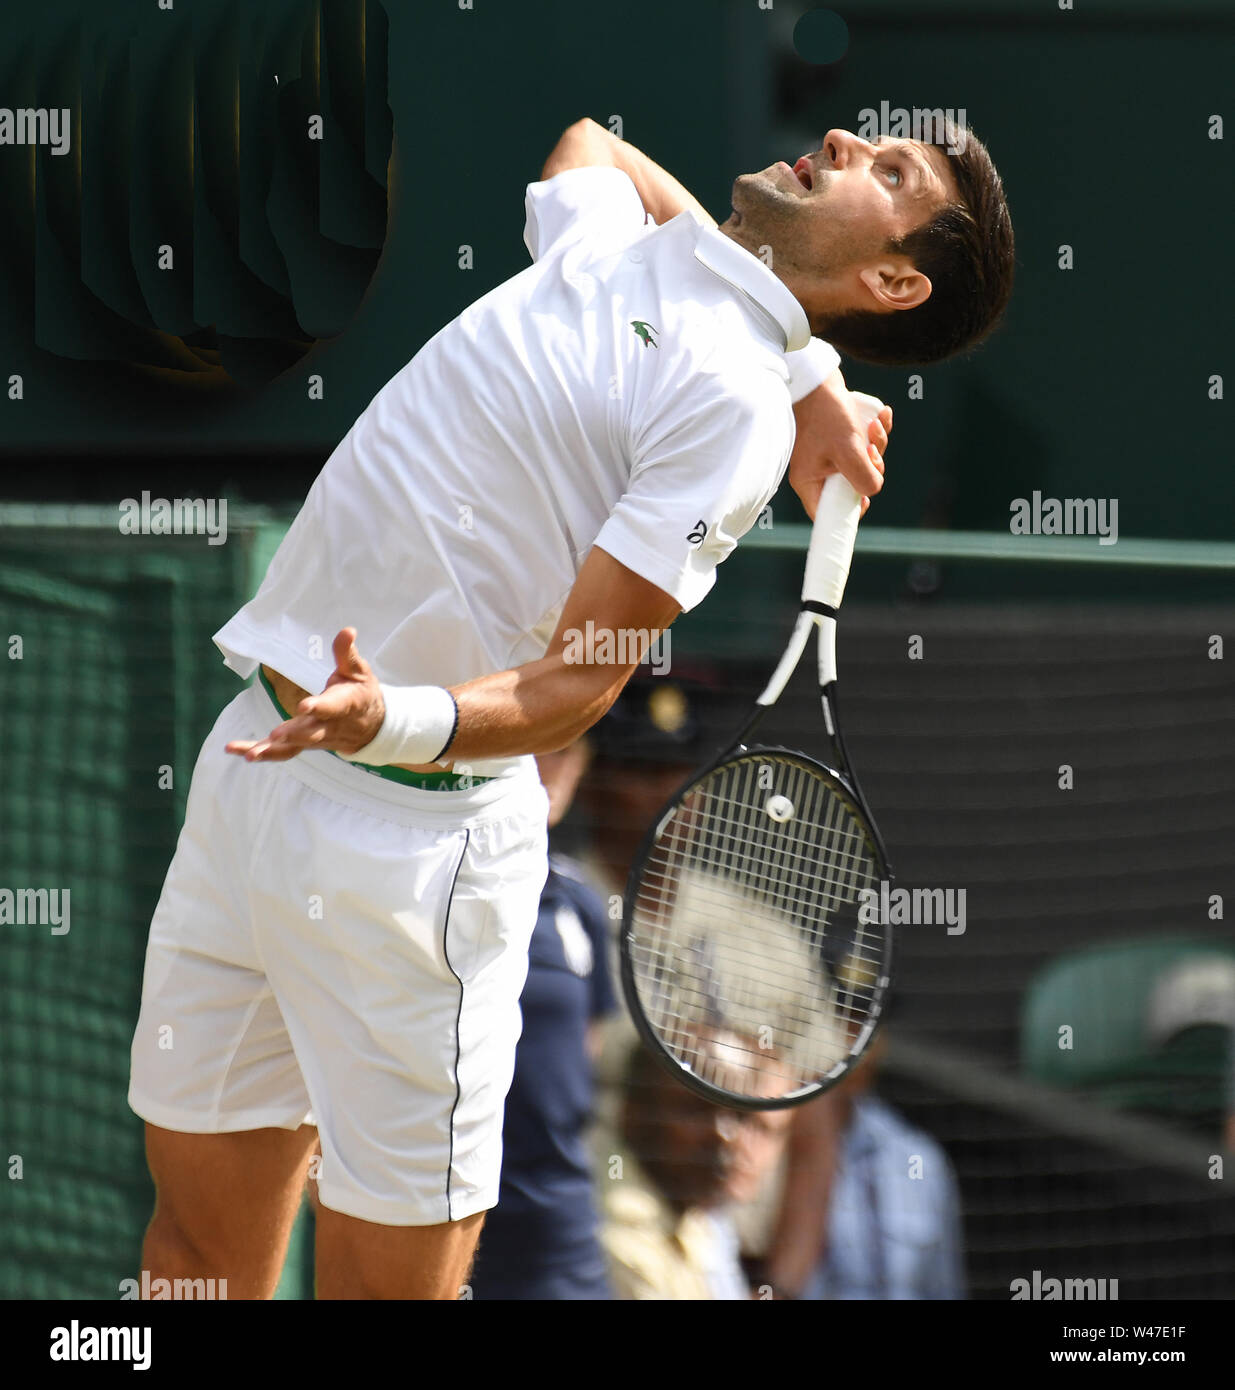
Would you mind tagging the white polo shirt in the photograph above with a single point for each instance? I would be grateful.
(629, 390)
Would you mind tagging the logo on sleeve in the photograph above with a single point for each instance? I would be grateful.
(695, 537)
(644, 332)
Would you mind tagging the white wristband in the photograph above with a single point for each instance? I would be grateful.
(810, 367)
(418, 728)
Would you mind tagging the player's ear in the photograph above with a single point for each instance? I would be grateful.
(895, 284)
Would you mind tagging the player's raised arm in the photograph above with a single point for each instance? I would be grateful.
(586, 144)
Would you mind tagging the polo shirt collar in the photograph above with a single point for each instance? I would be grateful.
(746, 272)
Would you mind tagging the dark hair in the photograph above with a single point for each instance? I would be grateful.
(968, 253)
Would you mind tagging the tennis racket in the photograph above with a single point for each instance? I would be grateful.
(753, 959)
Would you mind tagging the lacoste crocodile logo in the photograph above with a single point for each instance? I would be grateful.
(645, 331)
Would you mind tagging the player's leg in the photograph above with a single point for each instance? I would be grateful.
(361, 1259)
(400, 990)
(225, 1205)
(213, 1071)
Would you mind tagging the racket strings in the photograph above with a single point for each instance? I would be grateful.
(783, 868)
(753, 961)
(718, 897)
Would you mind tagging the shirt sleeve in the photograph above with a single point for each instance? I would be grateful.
(810, 367)
(698, 484)
(595, 203)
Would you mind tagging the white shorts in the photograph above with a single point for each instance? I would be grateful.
(335, 948)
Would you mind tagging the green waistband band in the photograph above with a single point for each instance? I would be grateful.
(426, 781)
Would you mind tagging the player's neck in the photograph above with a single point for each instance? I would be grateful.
(814, 298)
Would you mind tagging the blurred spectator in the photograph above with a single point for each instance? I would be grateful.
(661, 729)
(668, 1198)
(1190, 1020)
(870, 1207)
(540, 1241)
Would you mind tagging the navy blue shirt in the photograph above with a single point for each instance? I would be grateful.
(540, 1240)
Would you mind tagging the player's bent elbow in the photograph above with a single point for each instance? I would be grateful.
(579, 146)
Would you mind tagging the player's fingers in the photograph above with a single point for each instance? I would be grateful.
(860, 468)
(268, 752)
(885, 418)
(304, 731)
(286, 741)
(347, 659)
(275, 736)
(866, 502)
(809, 484)
(261, 750)
(808, 495)
(871, 481)
(878, 435)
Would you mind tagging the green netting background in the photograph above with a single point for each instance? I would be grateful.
(116, 687)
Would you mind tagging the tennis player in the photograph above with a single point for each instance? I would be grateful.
(342, 937)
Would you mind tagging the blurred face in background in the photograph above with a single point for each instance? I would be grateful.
(623, 801)
(700, 1154)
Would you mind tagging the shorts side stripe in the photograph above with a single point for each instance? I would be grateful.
(450, 1161)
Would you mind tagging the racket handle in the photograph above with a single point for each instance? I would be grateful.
(835, 530)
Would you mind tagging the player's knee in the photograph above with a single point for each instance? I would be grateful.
(172, 1246)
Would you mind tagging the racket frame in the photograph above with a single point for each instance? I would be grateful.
(848, 788)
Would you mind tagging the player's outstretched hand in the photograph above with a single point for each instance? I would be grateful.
(832, 437)
(342, 719)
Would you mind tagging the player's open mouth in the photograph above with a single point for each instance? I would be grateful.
(803, 170)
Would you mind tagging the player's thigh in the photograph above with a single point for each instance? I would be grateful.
(361, 1259)
(228, 1196)
(211, 1053)
(400, 988)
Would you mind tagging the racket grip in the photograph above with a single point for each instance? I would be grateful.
(835, 530)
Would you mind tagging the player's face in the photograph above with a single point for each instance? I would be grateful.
(840, 205)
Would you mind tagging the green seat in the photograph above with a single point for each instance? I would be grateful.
(1144, 1025)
